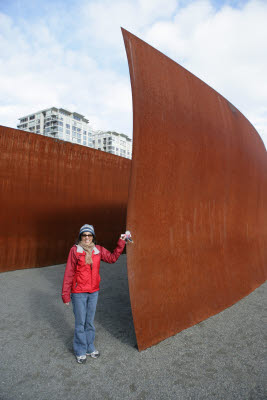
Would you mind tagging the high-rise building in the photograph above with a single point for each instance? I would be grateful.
(59, 123)
(113, 142)
(74, 127)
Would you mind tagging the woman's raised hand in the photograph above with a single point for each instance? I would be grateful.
(127, 237)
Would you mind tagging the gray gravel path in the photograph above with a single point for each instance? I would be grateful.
(220, 358)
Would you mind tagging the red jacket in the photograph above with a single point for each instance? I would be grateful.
(80, 277)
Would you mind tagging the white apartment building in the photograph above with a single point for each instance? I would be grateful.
(60, 124)
(113, 142)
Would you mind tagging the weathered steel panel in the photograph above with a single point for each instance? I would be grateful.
(197, 199)
(49, 189)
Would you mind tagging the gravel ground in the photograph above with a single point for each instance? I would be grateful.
(220, 358)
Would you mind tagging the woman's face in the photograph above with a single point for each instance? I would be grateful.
(87, 238)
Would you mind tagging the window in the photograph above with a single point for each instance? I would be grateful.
(60, 129)
(84, 142)
(32, 117)
(84, 132)
(74, 128)
(24, 120)
(77, 118)
(68, 126)
(67, 131)
(60, 123)
(22, 126)
(99, 141)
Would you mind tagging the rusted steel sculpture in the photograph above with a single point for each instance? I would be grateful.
(197, 199)
(48, 190)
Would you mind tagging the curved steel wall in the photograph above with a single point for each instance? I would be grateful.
(48, 190)
(197, 199)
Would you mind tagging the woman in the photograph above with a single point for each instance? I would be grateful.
(81, 285)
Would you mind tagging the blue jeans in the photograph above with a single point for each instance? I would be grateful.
(84, 306)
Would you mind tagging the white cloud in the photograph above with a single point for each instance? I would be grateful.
(80, 63)
(39, 73)
(102, 20)
(226, 49)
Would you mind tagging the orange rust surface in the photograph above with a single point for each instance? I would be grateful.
(49, 189)
(197, 199)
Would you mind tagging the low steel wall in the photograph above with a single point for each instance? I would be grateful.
(49, 188)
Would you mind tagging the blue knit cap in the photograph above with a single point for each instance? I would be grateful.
(87, 228)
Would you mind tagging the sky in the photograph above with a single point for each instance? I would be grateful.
(70, 54)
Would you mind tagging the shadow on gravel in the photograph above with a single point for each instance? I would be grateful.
(114, 308)
(47, 310)
(50, 319)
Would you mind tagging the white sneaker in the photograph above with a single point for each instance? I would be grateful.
(94, 354)
(81, 359)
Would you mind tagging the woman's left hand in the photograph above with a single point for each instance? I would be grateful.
(127, 237)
